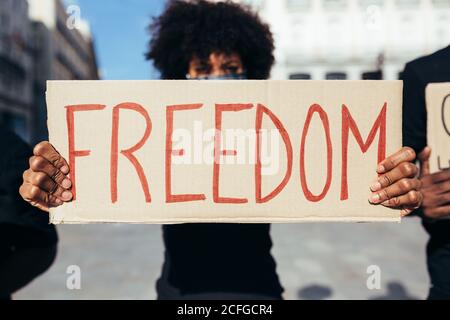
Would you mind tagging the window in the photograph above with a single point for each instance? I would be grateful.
(408, 3)
(256, 4)
(372, 75)
(335, 4)
(298, 4)
(336, 76)
(366, 3)
(441, 3)
(300, 76)
(4, 23)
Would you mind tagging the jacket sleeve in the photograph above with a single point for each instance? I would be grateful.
(14, 210)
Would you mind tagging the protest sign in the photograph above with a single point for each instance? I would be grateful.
(223, 151)
(438, 125)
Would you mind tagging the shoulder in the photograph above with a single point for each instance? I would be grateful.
(429, 64)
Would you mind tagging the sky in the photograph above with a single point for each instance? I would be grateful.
(119, 29)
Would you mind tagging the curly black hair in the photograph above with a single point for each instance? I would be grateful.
(197, 28)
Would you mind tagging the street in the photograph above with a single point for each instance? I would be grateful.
(315, 261)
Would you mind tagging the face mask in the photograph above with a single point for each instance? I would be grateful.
(233, 76)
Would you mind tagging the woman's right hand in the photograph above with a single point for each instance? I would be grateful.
(45, 184)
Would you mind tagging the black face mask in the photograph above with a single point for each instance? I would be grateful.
(233, 76)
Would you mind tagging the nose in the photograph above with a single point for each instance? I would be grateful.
(216, 71)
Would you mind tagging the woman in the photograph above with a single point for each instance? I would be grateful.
(205, 40)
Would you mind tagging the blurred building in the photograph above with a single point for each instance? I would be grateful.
(16, 68)
(39, 41)
(63, 51)
(352, 39)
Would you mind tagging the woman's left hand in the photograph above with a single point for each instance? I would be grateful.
(397, 185)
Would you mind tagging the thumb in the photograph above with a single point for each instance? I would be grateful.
(424, 159)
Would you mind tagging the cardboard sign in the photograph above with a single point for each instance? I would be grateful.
(223, 151)
(438, 125)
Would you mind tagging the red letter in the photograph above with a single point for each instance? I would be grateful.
(218, 152)
(70, 110)
(347, 124)
(169, 153)
(326, 127)
(287, 143)
(128, 153)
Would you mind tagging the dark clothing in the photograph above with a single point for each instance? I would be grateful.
(21, 265)
(224, 260)
(416, 76)
(27, 241)
(438, 262)
(14, 210)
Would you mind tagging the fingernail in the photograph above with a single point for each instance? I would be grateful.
(66, 183)
(381, 169)
(404, 213)
(65, 169)
(375, 186)
(66, 195)
(58, 202)
(374, 198)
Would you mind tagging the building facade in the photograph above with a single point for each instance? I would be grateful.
(352, 39)
(64, 50)
(16, 68)
(39, 41)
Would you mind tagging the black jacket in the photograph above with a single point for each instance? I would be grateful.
(20, 223)
(416, 76)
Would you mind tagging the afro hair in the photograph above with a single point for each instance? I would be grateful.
(197, 28)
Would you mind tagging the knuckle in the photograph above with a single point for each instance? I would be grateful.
(34, 193)
(413, 197)
(23, 191)
(410, 153)
(40, 147)
(37, 178)
(405, 185)
(25, 175)
(35, 163)
(407, 168)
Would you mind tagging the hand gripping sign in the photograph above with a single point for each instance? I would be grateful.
(223, 151)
